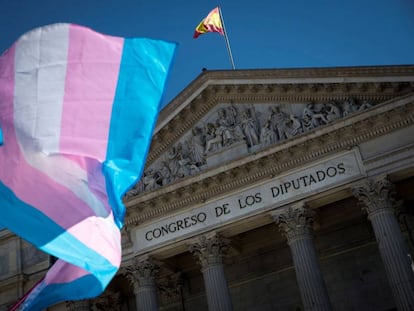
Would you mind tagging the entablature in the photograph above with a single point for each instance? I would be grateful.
(263, 164)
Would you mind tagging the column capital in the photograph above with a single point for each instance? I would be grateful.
(209, 249)
(377, 195)
(295, 221)
(141, 272)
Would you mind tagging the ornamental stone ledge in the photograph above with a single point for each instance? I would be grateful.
(265, 76)
(213, 95)
(230, 131)
(327, 174)
(341, 135)
(400, 158)
(189, 140)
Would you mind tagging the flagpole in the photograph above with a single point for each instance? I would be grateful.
(226, 38)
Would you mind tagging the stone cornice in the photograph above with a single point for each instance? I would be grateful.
(265, 76)
(344, 134)
(254, 92)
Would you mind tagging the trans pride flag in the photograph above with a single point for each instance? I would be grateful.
(77, 111)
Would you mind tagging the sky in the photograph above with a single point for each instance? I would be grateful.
(262, 33)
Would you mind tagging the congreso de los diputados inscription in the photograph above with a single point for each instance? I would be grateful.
(275, 189)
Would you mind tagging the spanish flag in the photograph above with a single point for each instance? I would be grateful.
(212, 23)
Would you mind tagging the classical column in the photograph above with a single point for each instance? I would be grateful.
(78, 305)
(296, 224)
(142, 275)
(209, 251)
(379, 202)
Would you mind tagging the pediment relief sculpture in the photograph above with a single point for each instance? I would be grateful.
(230, 131)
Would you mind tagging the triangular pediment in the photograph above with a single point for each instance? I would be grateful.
(225, 116)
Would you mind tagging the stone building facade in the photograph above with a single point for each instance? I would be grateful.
(265, 190)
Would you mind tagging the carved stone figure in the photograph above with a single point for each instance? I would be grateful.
(332, 112)
(165, 173)
(214, 139)
(292, 127)
(183, 165)
(307, 123)
(267, 135)
(248, 125)
(225, 132)
(196, 146)
(150, 180)
(278, 119)
(349, 106)
(173, 156)
(315, 118)
(231, 115)
(364, 105)
(242, 123)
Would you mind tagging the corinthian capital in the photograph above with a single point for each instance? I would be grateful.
(376, 195)
(141, 272)
(209, 249)
(295, 221)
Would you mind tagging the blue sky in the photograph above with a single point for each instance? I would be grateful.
(262, 33)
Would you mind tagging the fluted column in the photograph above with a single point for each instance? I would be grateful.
(142, 275)
(378, 197)
(296, 224)
(209, 251)
(78, 305)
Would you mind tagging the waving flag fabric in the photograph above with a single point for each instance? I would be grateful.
(77, 111)
(212, 23)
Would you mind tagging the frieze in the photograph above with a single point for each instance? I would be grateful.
(230, 131)
(272, 161)
(360, 93)
(175, 119)
(274, 192)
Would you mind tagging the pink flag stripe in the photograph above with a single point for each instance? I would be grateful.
(40, 71)
(101, 235)
(63, 272)
(42, 195)
(97, 59)
(43, 187)
(43, 199)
